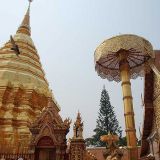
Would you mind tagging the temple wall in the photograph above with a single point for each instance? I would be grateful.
(154, 137)
(156, 103)
(18, 108)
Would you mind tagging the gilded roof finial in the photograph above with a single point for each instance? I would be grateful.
(25, 25)
(78, 127)
(78, 115)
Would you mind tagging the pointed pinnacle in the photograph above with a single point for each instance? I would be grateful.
(25, 25)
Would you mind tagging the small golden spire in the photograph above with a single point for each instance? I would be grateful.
(78, 127)
(78, 115)
(25, 25)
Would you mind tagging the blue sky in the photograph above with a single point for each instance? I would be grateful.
(66, 34)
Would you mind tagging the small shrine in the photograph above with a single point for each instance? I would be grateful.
(49, 135)
(77, 148)
(77, 143)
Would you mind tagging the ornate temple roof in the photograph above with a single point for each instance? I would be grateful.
(50, 124)
(50, 117)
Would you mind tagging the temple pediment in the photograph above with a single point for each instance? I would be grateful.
(49, 124)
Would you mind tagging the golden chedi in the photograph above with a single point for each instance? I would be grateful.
(24, 91)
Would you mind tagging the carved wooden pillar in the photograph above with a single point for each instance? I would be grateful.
(58, 153)
(77, 149)
(63, 151)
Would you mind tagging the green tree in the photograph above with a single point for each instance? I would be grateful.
(106, 122)
(123, 141)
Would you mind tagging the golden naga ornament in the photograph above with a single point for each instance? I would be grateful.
(112, 152)
(110, 138)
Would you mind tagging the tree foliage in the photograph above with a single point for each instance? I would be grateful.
(106, 122)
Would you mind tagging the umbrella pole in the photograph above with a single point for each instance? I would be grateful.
(128, 107)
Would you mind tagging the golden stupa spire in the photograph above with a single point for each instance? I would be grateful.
(78, 117)
(25, 25)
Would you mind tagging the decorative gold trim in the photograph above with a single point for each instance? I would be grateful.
(14, 59)
(129, 113)
(126, 83)
(130, 130)
(127, 97)
(22, 69)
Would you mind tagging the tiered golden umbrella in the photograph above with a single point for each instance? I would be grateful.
(122, 58)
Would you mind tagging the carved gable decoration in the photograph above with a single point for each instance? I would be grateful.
(48, 117)
(46, 131)
(45, 141)
(49, 124)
